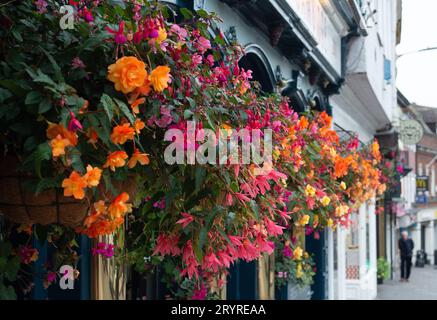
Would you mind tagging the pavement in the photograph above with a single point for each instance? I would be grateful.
(422, 286)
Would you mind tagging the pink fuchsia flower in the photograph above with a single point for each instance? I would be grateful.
(196, 60)
(400, 169)
(211, 262)
(119, 36)
(199, 293)
(41, 5)
(272, 228)
(287, 252)
(229, 200)
(159, 204)
(388, 164)
(179, 31)
(28, 254)
(77, 63)
(186, 220)
(87, 15)
(74, 124)
(202, 44)
(51, 276)
(210, 60)
(190, 261)
(167, 245)
(104, 249)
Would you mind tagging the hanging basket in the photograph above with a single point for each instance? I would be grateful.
(47, 207)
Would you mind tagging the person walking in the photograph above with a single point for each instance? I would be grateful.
(406, 246)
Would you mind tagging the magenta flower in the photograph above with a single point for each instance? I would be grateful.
(41, 5)
(119, 37)
(202, 45)
(104, 249)
(77, 63)
(51, 276)
(199, 293)
(400, 169)
(74, 124)
(196, 60)
(287, 252)
(87, 15)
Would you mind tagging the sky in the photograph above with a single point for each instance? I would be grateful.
(417, 72)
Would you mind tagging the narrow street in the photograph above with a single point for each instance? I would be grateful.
(422, 286)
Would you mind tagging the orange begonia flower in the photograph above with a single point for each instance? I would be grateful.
(116, 159)
(122, 133)
(58, 145)
(341, 166)
(127, 73)
(375, 150)
(144, 90)
(92, 176)
(136, 103)
(159, 78)
(84, 107)
(142, 158)
(58, 129)
(92, 137)
(139, 125)
(74, 185)
(119, 207)
(98, 212)
(303, 123)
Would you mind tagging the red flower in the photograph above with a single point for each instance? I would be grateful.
(186, 220)
(167, 244)
(119, 37)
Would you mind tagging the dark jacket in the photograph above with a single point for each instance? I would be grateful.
(406, 247)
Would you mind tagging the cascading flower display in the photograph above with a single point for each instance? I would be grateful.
(110, 123)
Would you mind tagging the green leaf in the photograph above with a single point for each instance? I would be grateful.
(191, 102)
(202, 13)
(125, 110)
(4, 94)
(43, 78)
(200, 175)
(188, 114)
(56, 68)
(33, 97)
(44, 106)
(204, 232)
(255, 208)
(48, 183)
(76, 161)
(186, 13)
(42, 152)
(7, 292)
(11, 268)
(17, 35)
(108, 105)
(5, 249)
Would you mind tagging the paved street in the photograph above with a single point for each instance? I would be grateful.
(422, 286)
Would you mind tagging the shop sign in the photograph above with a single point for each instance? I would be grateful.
(422, 183)
(410, 132)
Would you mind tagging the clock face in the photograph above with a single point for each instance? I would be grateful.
(411, 132)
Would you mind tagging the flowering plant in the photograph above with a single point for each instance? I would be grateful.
(292, 265)
(93, 119)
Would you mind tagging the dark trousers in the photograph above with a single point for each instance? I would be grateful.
(405, 267)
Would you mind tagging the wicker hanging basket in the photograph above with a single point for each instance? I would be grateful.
(21, 206)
